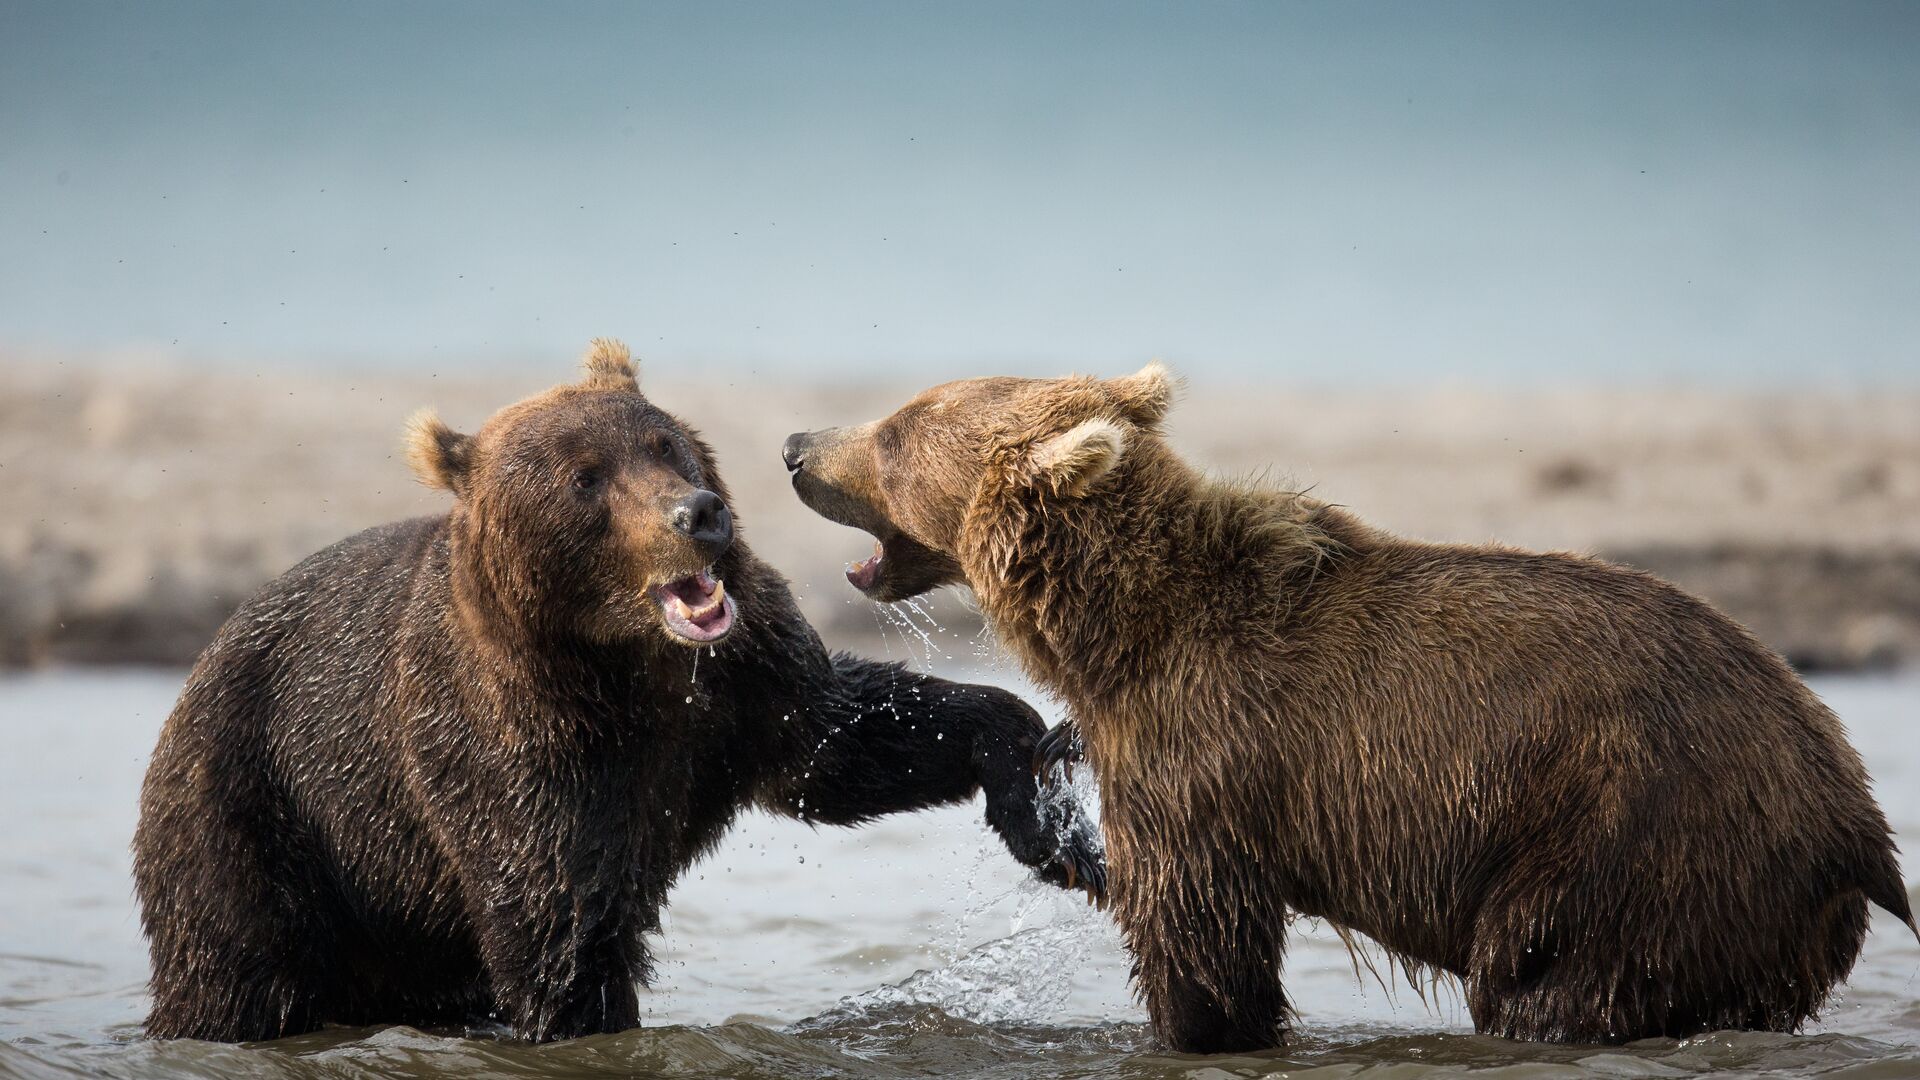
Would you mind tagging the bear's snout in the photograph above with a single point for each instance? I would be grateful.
(794, 451)
(703, 518)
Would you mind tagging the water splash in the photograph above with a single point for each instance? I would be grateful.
(1025, 976)
(918, 629)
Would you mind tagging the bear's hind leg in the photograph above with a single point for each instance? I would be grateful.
(1691, 966)
(241, 950)
(1540, 1006)
(217, 981)
(1553, 977)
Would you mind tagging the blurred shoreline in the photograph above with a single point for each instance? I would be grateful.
(144, 503)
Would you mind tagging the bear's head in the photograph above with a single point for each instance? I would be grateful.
(913, 478)
(585, 513)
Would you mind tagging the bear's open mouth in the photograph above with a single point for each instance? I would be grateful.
(696, 608)
(863, 575)
(900, 568)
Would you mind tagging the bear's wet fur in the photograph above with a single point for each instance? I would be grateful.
(1591, 797)
(446, 771)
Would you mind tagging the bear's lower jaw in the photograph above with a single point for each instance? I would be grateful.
(863, 575)
(696, 608)
(901, 568)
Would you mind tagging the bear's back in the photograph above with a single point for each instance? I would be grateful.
(1515, 688)
(316, 639)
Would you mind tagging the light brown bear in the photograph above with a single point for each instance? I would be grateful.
(1591, 797)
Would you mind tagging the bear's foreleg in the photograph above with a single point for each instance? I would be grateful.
(232, 961)
(243, 947)
(558, 957)
(1206, 966)
(886, 740)
(546, 863)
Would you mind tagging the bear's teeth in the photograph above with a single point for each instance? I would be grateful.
(871, 561)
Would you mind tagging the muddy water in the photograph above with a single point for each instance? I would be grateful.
(908, 948)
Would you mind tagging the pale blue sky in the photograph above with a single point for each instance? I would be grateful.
(1695, 192)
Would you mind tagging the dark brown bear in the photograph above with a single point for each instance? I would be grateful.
(1591, 797)
(447, 770)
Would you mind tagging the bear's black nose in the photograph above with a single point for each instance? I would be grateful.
(795, 451)
(704, 519)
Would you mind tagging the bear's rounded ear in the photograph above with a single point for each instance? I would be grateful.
(1071, 462)
(1144, 396)
(608, 366)
(441, 457)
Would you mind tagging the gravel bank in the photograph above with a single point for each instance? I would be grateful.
(143, 503)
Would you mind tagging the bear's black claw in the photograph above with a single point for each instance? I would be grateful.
(1062, 746)
(1079, 864)
(1085, 870)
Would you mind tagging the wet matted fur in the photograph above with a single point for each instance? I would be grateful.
(1590, 796)
(447, 770)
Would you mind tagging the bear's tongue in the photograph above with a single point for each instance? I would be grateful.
(696, 607)
(864, 573)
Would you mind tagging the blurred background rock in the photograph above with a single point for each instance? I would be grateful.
(144, 501)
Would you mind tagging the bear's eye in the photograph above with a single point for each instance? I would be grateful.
(663, 447)
(586, 479)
